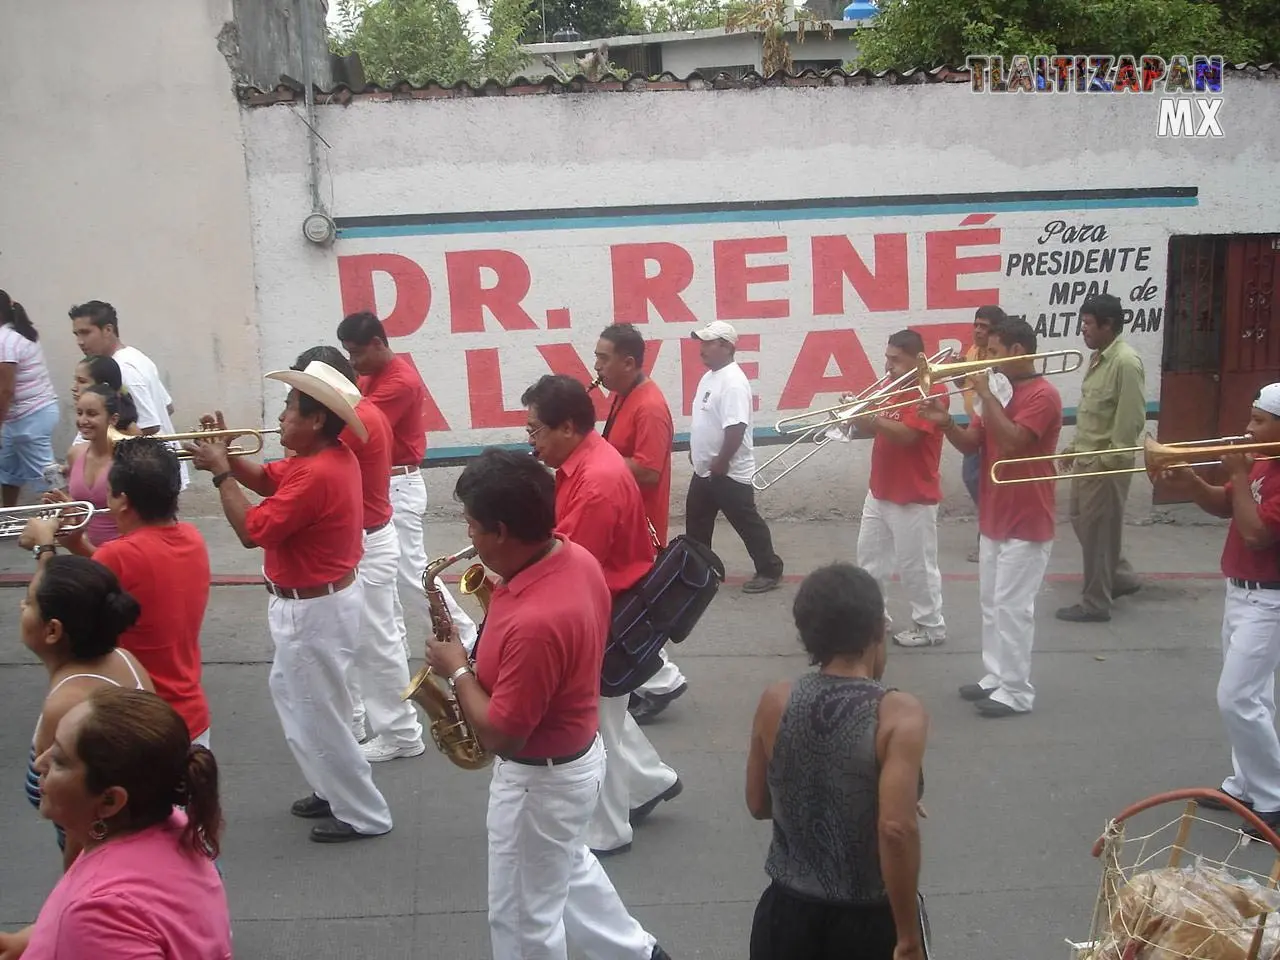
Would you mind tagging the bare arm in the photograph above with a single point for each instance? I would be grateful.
(764, 729)
(732, 441)
(645, 476)
(1244, 509)
(8, 375)
(475, 707)
(235, 505)
(1212, 500)
(901, 735)
(895, 431)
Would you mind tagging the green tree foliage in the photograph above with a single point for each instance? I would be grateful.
(666, 16)
(590, 18)
(429, 40)
(774, 20)
(915, 33)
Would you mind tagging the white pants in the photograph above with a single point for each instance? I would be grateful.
(668, 679)
(409, 503)
(904, 537)
(633, 775)
(381, 670)
(1246, 694)
(1010, 573)
(315, 644)
(545, 885)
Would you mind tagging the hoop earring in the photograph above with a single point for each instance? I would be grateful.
(98, 830)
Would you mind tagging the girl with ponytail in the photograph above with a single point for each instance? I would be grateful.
(116, 779)
(28, 403)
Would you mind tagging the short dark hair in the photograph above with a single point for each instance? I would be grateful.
(838, 609)
(329, 355)
(309, 406)
(1106, 308)
(87, 599)
(626, 340)
(1013, 332)
(908, 341)
(146, 471)
(560, 399)
(98, 312)
(509, 488)
(361, 329)
(991, 313)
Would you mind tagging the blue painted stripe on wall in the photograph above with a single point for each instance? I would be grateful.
(755, 216)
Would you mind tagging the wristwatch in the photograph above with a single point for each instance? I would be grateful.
(457, 674)
(40, 549)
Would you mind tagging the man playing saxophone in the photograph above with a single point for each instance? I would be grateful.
(532, 699)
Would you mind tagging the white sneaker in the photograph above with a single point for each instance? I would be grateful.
(380, 748)
(359, 731)
(916, 637)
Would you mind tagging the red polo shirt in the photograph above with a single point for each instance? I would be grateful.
(1022, 511)
(374, 457)
(309, 527)
(598, 506)
(641, 430)
(399, 392)
(908, 473)
(166, 568)
(1237, 559)
(542, 650)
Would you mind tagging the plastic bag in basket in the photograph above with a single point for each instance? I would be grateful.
(1194, 913)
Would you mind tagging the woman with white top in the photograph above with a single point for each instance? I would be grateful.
(28, 403)
(72, 617)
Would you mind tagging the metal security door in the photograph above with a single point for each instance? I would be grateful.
(1251, 340)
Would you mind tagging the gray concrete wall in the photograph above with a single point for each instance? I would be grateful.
(271, 40)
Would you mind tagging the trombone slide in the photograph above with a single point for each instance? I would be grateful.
(1156, 457)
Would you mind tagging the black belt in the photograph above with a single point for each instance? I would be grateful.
(373, 530)
(553, 761)
(1255, 584)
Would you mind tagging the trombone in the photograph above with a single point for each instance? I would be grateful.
(74, 514)
(1156, 457)
(833, 418)
(228, 435)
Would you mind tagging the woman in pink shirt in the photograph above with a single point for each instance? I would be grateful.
(145, 885)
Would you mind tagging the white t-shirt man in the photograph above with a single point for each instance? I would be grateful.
(722, 401)
(148, 394)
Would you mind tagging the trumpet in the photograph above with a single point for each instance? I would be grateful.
(74, 514)
(595, 384)
(1156, 458)
(228, 435)
(834, 418)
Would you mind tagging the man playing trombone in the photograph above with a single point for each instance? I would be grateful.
(899, 526)
(1016, 523)
(1111, 415)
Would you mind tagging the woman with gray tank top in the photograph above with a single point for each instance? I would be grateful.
(836, 763)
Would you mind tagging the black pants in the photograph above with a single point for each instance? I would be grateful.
(709, 496)
(787, 927)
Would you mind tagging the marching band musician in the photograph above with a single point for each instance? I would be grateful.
(381, 667)
(899, 526)
(532, 700)
(1251, 614)
(639, 427)
(598, 507)
(394, 385)
(1016, 522)
(983, 318)
(309, 528)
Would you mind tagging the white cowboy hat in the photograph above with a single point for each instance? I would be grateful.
(328, 387)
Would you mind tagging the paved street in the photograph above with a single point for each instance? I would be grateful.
(1125, 710)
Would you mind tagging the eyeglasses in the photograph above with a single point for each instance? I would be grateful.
(534, 431)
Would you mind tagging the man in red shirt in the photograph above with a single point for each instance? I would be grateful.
(598, 507)
(1016, 521)
(164, 564)
(309, 528)
(394, 385)
(639, 427)
(532, 700)
(899, 527)
(1251, 615)
(381, 667)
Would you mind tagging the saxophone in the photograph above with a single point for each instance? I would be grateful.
(449, 728)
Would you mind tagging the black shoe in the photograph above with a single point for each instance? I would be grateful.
(625, 848)
(310, 808)
(974, 692)
(1216, 804)
(659, 954)
(642, 811)
(759, 584)
(1119, 592)
(335, 831)
(1272, 820)
(1078, 614)
(995, 710)
(652, 704)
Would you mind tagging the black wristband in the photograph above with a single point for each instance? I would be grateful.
(219, 477)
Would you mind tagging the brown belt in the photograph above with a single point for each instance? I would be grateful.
(310, 593)
(403, 471)
(373, 530)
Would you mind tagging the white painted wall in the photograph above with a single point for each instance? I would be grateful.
(734, 49)
(601, 150)
(124, 180)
